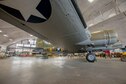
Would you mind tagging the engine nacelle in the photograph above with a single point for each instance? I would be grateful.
(105, 37)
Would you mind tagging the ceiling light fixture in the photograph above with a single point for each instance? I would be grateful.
(5, 35)
(31, 35)
(0, 31)
(111, 15)
(90, 1)
(91, 24)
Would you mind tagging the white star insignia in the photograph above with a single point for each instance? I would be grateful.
(26, 7)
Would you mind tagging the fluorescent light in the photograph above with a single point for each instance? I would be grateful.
(90, 1)
(31, 35)
(91, 25)
(111, 15)
(5, 35)
(96, 32)
(0, 30)
(48, 43)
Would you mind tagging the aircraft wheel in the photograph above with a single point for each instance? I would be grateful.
(91, 57)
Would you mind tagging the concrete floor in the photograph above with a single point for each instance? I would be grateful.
(61, 70)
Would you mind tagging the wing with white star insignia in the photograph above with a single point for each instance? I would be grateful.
(34, 11)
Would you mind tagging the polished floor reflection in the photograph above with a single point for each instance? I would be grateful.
(61, 70)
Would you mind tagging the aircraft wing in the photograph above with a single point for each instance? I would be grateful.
(57, 21)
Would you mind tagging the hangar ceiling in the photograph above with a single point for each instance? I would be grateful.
(99, 15)
(105, 14)
(10, 34)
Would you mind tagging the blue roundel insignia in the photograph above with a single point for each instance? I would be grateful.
(38, 12)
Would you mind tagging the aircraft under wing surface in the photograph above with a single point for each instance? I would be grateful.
(57, 21)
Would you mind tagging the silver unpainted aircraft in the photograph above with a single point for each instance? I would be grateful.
(57, 21)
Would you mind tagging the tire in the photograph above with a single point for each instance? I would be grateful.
(91, 57)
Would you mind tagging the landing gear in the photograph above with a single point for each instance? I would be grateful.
(91, 57)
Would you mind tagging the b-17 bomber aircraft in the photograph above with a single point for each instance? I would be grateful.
(57, 21)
